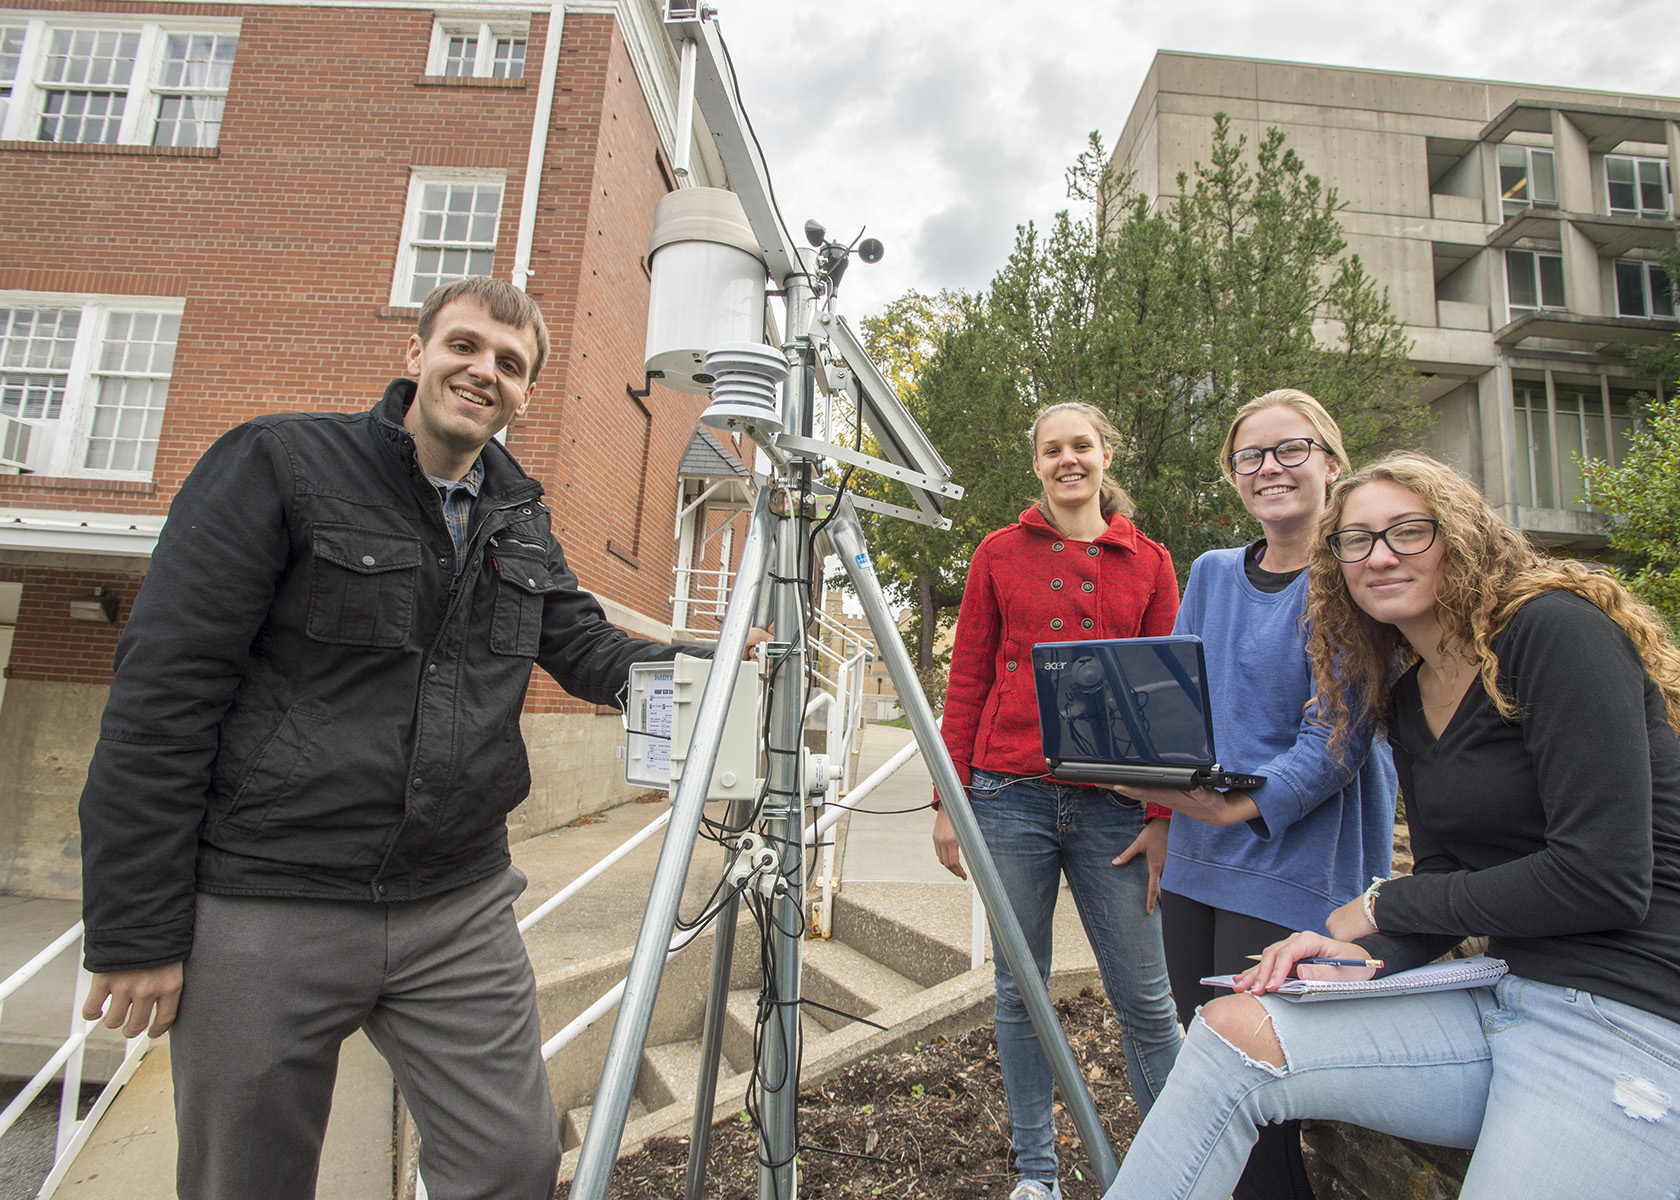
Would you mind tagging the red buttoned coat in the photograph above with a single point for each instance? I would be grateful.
(1029, 584)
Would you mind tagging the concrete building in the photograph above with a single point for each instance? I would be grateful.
(1517, 228)
(212, 211)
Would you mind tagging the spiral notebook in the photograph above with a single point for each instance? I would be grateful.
(1454, 973)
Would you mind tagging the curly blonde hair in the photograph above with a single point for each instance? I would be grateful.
(1488, 570)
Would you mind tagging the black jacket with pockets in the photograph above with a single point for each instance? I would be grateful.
(309, 699)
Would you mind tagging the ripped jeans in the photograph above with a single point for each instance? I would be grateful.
(1562, 1093)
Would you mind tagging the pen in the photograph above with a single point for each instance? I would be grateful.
(1334, 962)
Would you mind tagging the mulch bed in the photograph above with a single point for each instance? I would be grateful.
(931, 1122)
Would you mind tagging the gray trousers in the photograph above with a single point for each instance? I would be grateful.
(444, 990)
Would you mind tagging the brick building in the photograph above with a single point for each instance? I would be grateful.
(213, 211)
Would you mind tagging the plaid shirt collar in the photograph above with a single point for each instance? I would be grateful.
(457, 496)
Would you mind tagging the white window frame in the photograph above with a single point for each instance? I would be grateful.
(1649, 271)
(1528, 201)
(8, 82)
(1639, 209)
(1513, 310)
(22, 117)
(402, 280)
(74, 425)
(487, 33)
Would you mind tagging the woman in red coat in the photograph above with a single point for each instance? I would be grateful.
(1073, 567)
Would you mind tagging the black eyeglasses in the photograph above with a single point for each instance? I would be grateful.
(1413, 536)
(1291, 453)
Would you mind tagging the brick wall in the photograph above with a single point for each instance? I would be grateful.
(48, 645)
(282, 242)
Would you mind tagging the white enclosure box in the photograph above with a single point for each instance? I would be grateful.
(708, 284)
(664, 705)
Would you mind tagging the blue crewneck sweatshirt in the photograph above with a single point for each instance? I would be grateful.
(1324, 828)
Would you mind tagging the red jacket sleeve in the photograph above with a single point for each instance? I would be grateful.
(973, 662)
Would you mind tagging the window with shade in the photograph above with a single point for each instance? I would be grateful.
(1527, 178)
(1533, 280)
(1556, 427)
(1638, 187)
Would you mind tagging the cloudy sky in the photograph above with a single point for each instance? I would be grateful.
(943, 125)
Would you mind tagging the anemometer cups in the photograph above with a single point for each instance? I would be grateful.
(746, 387)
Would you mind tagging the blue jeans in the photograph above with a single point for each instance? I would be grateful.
(1038, 831)
(1562, 1093)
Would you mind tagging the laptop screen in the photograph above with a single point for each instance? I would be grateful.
(1136, 700)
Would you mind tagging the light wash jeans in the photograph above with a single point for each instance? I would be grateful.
(1038, 831)
(1562, 1093)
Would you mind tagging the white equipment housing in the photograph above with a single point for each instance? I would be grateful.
(664, 704)
(708, 284)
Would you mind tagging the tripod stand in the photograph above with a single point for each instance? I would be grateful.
(781, 551)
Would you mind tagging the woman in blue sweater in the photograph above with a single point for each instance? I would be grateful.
(1250, 867)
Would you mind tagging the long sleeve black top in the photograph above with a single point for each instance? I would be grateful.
(1558, 834)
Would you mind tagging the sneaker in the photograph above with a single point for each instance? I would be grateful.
(1036, 1189)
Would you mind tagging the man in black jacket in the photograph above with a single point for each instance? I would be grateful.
(294, 822)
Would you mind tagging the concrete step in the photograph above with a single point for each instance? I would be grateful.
(738, 1028)
(669, 1074)
(920, 930)
(842, 978)
(576, 1121)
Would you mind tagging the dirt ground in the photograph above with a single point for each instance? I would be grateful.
(931, 1122)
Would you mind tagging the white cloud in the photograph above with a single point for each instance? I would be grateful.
(943, 126)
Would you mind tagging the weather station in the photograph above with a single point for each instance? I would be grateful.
(717, 258)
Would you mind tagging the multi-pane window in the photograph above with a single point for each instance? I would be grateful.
(452, 225)
(478, 49)
(1584, 418)
(132, 377)
(11, 53)
(1527, 178)
(192, 88)
(84, 382)
(84, 84)
(1642, 289)
(1533, 279)
(158, 82)
(1638, 186)
(36, 345)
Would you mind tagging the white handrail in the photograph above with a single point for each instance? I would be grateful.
(33, 967)
(608, 1001)
(577, 885)
(72, 1133)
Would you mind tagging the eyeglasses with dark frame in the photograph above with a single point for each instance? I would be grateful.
(1291, 452)
(1411, 536)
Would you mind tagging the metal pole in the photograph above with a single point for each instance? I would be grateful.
(684, 135)
(847, 536)
(717, 1011)
(784, 808)
(647, 963)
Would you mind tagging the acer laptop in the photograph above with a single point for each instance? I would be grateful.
(1133, 710)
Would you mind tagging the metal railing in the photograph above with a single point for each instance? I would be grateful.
(73, 1132)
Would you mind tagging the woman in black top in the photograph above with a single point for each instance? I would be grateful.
(1532, 706)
